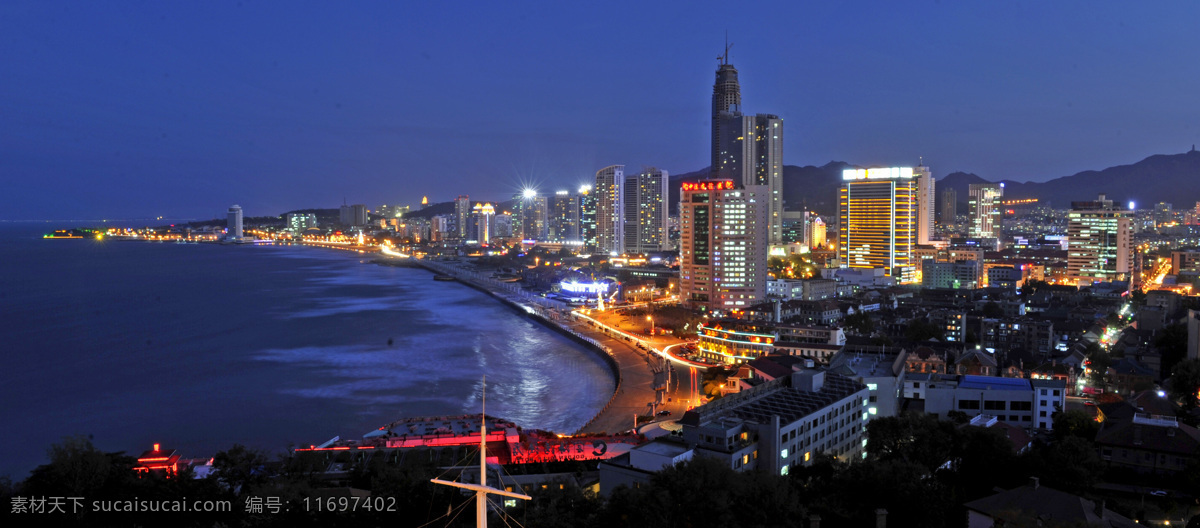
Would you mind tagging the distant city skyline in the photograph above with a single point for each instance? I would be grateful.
(123, 110)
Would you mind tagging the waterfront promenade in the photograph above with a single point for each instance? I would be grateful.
(641, 374)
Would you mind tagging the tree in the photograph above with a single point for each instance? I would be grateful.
(860, 322)
(1185, 382)
(912, 437)
(78, 469)
(240, 468)
(1098, 363)
(1070, 464)
(705, 492)
(922, 330)
(1075, 424)
(1171, 342)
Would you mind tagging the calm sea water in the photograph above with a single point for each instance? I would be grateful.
(200, 346)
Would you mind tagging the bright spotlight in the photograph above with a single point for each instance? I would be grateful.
(529, 193)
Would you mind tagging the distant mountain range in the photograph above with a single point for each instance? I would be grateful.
(1171, 178)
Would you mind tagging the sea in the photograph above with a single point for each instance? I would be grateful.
(199, 347)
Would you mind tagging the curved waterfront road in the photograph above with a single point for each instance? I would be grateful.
(642, 371)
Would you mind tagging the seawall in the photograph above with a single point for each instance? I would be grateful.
(542, 312)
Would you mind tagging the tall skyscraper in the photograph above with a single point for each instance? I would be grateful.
(723, 251)
(949, 207)
(726, 99)
(564, 217)
(984, 201)
(925, 203)
(353, 215)
(587, 216)
(747, 149)
(462, 214)
(234, 222)
(610, 224)
(814, 232)
(645, 211)
(532, 215)
(484, 218)
(1099, 242)
(877, 212)
(751, 153)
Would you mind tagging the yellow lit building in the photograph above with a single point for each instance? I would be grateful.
(877, 221)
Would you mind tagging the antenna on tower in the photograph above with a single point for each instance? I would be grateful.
(725, 58)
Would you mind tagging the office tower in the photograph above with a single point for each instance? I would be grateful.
(610, 225)
(587, 216)
(814, 232)
(723, 251)
(795, 225)
(925, 203)
(504, 225)
(484, 218)
(877, 210)
(297, 222)
(564, 217)
(353, 215)
(751, 153)
(726, 99)
(1099, 242)
(442, 227)
(462, 214)
(424, 202)
(747, 149)
(234, 222)
(984, 201)
(530, 216)
(949, 207)
(1162, 214)
(645, 211)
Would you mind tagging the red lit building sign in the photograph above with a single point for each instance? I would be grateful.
(709, 185)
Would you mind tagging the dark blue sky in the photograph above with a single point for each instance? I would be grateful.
(137, 109)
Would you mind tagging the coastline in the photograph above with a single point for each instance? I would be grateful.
(635, 373)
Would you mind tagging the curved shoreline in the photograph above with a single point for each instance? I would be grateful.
(634, 378)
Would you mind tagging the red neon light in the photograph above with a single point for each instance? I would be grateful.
(708, 186)
(156, 459)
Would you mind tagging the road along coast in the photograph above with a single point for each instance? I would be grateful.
(637, 373)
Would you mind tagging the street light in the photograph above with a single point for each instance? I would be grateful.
(651, 319)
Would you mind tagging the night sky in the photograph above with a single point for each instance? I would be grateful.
(142, 109)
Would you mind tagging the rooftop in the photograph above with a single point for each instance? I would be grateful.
(993, 383)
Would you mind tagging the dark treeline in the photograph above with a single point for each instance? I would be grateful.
(921, 470)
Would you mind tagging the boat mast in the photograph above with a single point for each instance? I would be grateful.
(482, 489)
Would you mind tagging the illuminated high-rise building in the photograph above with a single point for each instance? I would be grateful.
(723, 251)
(587, 216)
(814, 231)
(751, 153)
(564, 217)
(984, 201)
(645, 211)
(233, 224)
(610, 220)
(747, 149)
(1099, 242)
(462, 214)
(925, 203)
(484, 218)
(726, 99)
(531, 215)
(877, 219)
